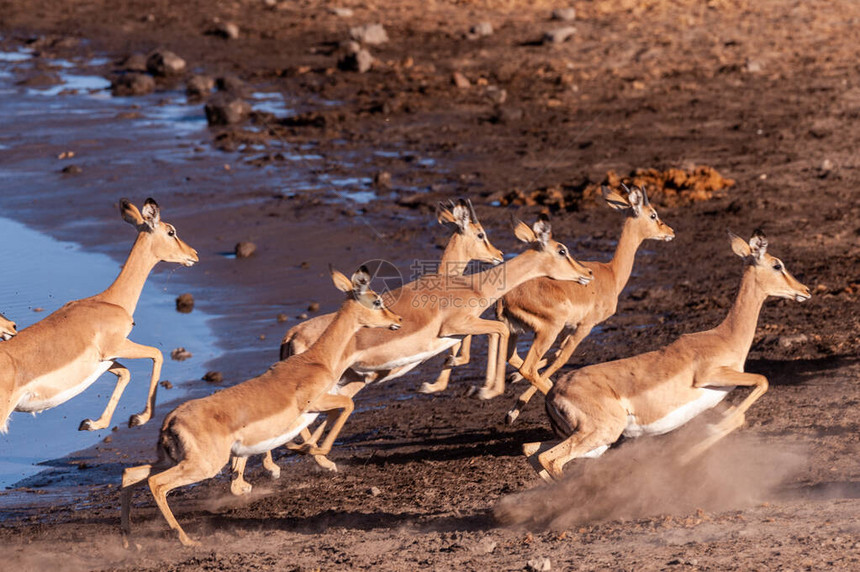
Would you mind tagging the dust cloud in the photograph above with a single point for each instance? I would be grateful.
(644, 478)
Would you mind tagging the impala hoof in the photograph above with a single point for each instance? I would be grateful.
(450, 361)
(515, 377)
(485, 393)
(274, 473)
(239, 488)
(86, 425)
(512, 416)
(428, 388)
(138, 419)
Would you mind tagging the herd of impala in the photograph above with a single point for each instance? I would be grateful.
(373, 338)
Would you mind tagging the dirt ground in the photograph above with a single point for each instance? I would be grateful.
(766, 93)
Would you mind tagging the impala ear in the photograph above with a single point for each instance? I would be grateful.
(636, 196)
(129, 212)
(462, 216)
(542, 230)
(444, 214)
(341, 282)
(360, 281)
(522, 231)
(151, 213)
(758, 244)
(614, 199)
(739, 245)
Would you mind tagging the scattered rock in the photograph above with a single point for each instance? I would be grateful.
(244, 249)
(131, 84)
(302, 316)
(485, 546)
(753, 66)
(369, 34)
(134, 63)
(341, 12)
(270, 3)
(540, 564)
(185, 303)
(355, 58)
(166, 384)
(226, 30)
(231, 84)
(163, 63)
(305, 264)
(559, 35)
(497, 95)
(213, 377)
(382, 180)
(199, 87)
(40, 80)
(226, 109)
(374, 491)
(507, 115)
(480, 30)
(107, 439)
(72, 170)
(826, 166)
(788, 341)
(282, 318)
(313, 307)
(461, 81)
(564, 14)
(180, 354)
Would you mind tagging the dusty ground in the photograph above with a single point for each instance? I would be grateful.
(767, 93)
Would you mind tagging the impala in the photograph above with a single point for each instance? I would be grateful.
(8, 329)
(656, 392)
(57, 358)
(199, 437)
(550, 307)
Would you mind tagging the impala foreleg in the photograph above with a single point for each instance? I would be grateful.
(131, 350)
(328, 404)
(734, 418)
(123, 376)
(270, 466)
(238, 485)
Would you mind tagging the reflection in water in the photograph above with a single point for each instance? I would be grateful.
(42, 273)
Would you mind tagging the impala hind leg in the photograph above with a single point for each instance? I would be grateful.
(453, 360)
(270, 466)
(122, 378)
(131, 478)
(185, 473)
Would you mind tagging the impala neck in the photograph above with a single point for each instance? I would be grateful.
(125, 290)
(625, 253)
(455, 258)
(330, 347)
(740, 325)
(497, 281)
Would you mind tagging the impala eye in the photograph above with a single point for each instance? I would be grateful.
(480, 236)
(171, 232)
(377, 303)
(562, 251)
(777, 266)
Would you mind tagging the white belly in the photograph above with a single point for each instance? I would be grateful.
(439, 346)
(239, 449)
(33, 402)
(709, 397)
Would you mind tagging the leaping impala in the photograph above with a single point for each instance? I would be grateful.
(198, 438)
(469, 241)
(55, 359)
(656, 392)
(551, 308)
(8, 330)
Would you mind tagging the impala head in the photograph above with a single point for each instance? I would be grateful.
(7, 328)
(164, 244)
(370, 308)
(558, 264)
(461, 219)
(770, 272)
(638, 208)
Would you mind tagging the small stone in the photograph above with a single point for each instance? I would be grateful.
(564, 14)
(164, 63)
(753, 66)
(480, 30)
(559, 35)
(166, 384)
(134, 63)
(461, 81)
(485, 546)
(341, 12)
(305, 265)
(827, 165)
(313, 307)
(184, 303)
(180, 354)
(199, 87)
(72, 170)
(107, 439)
(231, 84)
(507, 115)
(360, 61)
(245, 249)
(213, 377)
(270, 3)
(38, 309)
(226, 109)
(281, 318)
(497, 95)
(540, 564)
(131, 84)
(226, 30)
(382, 180)
(302, 316)
(369, 34)
(374, 491)
(788, 341)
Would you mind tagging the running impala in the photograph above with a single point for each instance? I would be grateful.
(57, 358)
(659, 391)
